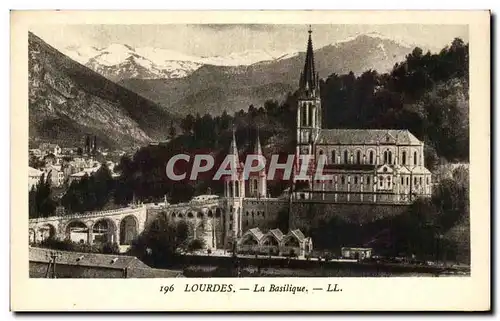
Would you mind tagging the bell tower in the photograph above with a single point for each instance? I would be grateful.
(309, 104)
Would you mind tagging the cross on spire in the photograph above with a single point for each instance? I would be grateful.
(308, 77)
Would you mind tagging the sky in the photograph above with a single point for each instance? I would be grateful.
(223, 39)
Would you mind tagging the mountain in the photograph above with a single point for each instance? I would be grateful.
(213, 89)
(120, 61)
(68, 100)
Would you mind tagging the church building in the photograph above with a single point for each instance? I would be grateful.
(365, 165)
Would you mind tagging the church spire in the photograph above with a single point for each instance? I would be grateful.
(308, 76)
(258, 147)
(233, 150)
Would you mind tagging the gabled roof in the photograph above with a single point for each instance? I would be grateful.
(385, 169)
(419, 170)
(297, 234)
(276, 233)
(86, 259)
(34, 172)
(256, 232)
(367, 136)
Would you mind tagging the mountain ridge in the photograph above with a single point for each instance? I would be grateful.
(68, 100)
(359, 55)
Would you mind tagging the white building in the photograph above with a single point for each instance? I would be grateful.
(34, 176)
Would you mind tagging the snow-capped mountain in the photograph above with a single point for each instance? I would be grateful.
(120, 61)
(374, 35)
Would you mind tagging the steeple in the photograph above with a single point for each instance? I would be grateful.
(308, 77)
(257, 147)
(233, 150)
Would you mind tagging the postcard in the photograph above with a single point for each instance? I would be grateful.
(250, 161)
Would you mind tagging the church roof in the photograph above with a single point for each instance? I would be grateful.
(353, 167)
(297, 234)
(419, 170)
(256, 232)
(277, 233)
(367, 136)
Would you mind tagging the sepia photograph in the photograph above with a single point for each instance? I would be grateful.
(248, 150)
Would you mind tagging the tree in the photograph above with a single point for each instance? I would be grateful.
(187, 124)
(172, 131)
(196, 244)
(41, 202)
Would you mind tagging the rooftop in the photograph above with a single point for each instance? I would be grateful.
(367, 136)
(112, 261)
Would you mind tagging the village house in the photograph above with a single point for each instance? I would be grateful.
(34, 176)
(48, 148)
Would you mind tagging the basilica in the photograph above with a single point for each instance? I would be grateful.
(365, 164)
(372, 170)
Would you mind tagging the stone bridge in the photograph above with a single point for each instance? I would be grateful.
(123, 225)
(118, 226)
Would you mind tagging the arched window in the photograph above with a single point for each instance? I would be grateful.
(390, 157)
(389, 182)
(386, 157)
(381, 181)
(346, 157)
(368, 180)
(355, 179)
(407, 181)
(310, 114)
(358, 157)
(404, 158)
(402, 180)
(237, 189)
(304, 115)
(342, 179)
(371, 157)
(334, 158)
(415, 158)
(420, 181)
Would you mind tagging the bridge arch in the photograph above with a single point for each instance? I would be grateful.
(199, 215)
(77, 231)
(46, 231)
(32, 236)
(129, 226)
(103, 231)
(190, 215)
(210, 214)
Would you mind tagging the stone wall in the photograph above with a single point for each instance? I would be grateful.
(206, 223)
(39, 269)
(307, 214)
(262, 213)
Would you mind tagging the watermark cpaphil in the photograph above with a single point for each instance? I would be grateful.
(280, 167)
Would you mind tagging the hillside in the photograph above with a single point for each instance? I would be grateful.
(68, 100)
(232, 88)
